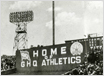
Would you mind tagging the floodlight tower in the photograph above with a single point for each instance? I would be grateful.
(20, 19)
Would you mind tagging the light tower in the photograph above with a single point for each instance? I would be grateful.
(20, 19)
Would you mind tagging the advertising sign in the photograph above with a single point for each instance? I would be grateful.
(61, 57)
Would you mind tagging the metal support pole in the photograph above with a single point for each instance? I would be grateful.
(53, 18)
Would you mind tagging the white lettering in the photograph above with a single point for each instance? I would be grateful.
(60, 61)
(28, 63)
(68, 60)
(43, 63)
(54, 51)
(51, 56)
(78, 59)
(55, 62)
(63, 50)
(46, 57)
(72, 58)
(44, 52)
(47, 61)
(65, 60)
(52, 61)
(35, 63)
(22, 64)
(35, 53)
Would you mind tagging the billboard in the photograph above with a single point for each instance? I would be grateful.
(62, 57)
(24, 16)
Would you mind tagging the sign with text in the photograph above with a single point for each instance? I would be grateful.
(51, 58)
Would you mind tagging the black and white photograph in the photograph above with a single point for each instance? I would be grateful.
(51, 37)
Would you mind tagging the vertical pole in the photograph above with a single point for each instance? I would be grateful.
(53, 18)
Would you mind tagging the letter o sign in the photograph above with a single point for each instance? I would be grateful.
(44, 52)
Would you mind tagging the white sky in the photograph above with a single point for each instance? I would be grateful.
(73, 20)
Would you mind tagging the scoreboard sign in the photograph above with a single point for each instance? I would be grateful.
(24, 16)
(61, 57)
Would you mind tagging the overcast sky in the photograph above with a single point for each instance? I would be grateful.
(73, 20)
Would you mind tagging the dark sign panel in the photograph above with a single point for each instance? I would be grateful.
(25, 16)
(61, 57)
